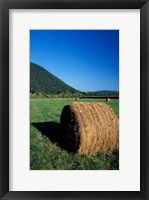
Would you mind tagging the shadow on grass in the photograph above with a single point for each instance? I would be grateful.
(54, 132)
(50, 129)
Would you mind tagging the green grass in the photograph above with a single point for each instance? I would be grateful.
(45, 152)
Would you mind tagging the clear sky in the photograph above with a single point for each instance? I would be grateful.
(87, 60)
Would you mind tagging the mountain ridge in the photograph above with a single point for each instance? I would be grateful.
(42, 81)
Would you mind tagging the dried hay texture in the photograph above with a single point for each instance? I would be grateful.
(89, 128)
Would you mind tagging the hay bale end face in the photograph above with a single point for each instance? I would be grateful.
(89, 127)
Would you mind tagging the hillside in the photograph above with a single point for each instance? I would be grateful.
(42, 81)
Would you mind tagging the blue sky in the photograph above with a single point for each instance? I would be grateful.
(87, 60)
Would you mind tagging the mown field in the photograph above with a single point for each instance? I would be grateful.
(45, 150)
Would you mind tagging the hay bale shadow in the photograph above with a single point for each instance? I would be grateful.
(54, 132)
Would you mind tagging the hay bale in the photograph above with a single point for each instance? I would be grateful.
(108, 99)
(88, 128)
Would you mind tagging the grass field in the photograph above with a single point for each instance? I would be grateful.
(45, 151)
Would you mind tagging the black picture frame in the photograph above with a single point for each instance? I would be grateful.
(5, 5)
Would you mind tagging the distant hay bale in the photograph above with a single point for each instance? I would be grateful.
(108, 99)
(88, 128)
(77, 98)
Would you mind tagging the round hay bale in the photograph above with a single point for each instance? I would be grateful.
(77, 98)
(108, 99)
(88, 128)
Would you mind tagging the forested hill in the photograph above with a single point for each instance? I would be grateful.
(107, 92)
(42, 81)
